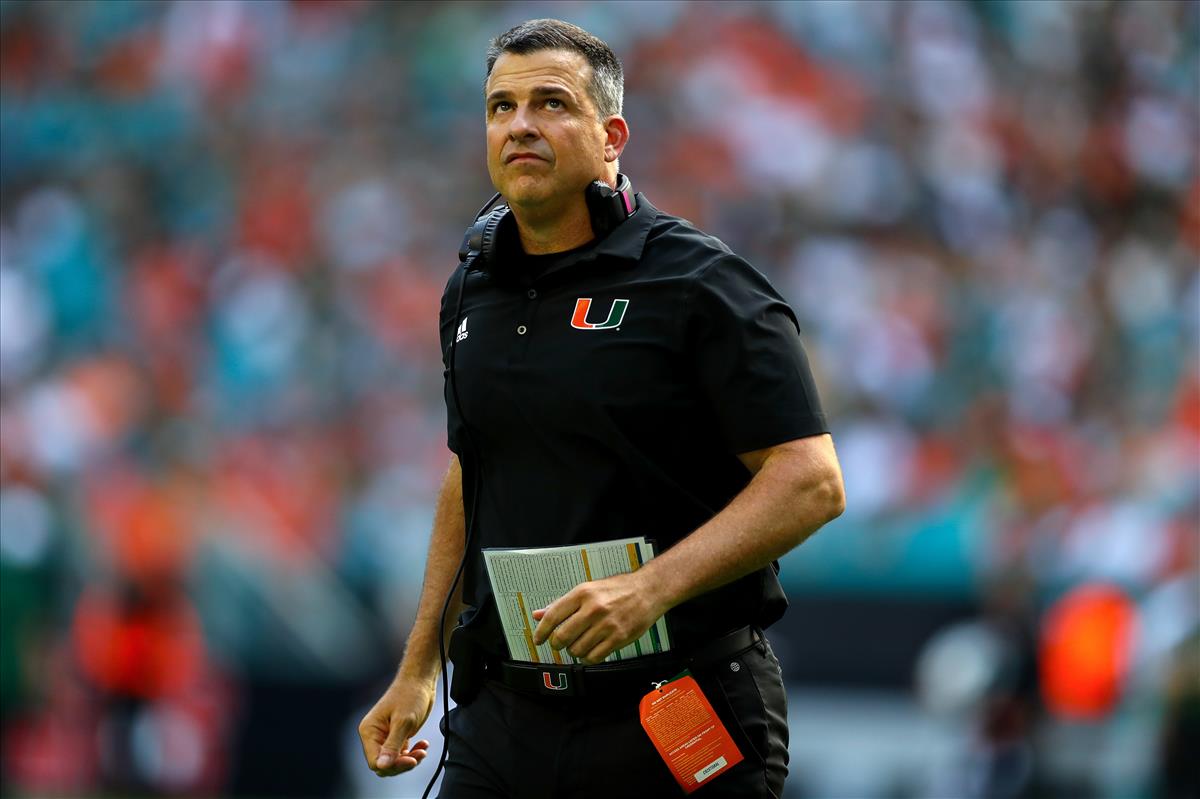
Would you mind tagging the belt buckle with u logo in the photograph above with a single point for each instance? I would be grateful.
(556, 681)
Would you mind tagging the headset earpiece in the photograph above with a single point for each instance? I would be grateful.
(480, 238)
(609, 207)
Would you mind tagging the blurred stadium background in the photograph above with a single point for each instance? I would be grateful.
(224, 231)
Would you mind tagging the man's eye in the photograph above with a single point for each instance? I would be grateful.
(554, 103)
(501, 106)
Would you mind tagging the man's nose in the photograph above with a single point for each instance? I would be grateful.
(521, 126)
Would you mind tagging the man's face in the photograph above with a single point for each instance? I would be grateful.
(545, 142)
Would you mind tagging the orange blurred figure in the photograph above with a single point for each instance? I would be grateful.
(1086, 643)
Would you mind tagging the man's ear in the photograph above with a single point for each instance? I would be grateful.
(616, 131)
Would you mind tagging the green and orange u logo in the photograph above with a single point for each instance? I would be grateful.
(615, 314)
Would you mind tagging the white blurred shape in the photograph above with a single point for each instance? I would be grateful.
(1042, 346)
(1123, 541)
(1160, 141)
(1139, 284)
(266, 319)
(24, 322)
(201, 40)
(830, 281)
(1045, 34)
(780, 144)
(957, 667)
(720, 81)
(1039, 402)
(62, 435)
(958, 154)
(946, 72)
(1167, 469)
(876, 458)
(867, 182)
(25, 534)
(168, 747)
(364, 224)
(852, 29)
(890, 360)
(1168, 615)
(1063, 250)
(776, 140)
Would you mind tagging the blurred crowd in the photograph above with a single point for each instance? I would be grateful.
(224, 232)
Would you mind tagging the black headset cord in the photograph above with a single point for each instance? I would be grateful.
(470, 526)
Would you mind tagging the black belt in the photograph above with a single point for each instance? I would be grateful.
(621, 678)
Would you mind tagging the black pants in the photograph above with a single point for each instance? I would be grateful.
(516, 746)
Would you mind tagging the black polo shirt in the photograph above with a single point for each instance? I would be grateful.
(609, 392)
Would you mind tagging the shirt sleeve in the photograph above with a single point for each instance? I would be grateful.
(744, 345)
(446, 334)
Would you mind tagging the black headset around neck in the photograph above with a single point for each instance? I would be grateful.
(607, 207)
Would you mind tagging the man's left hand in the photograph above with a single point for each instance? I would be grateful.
(596, 618)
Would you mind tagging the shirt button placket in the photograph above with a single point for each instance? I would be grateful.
(529, 311)
(533, 295)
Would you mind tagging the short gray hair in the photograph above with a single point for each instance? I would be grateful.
(607, 86)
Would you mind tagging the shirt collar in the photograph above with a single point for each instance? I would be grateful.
(624, 245)
(628, 239)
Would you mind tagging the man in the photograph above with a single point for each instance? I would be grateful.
(677, 405)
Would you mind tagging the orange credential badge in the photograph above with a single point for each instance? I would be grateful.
(687, 733)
